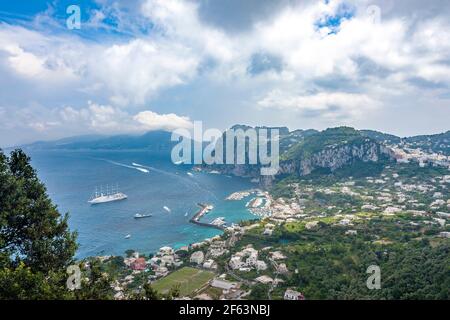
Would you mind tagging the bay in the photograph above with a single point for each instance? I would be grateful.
(151, 181)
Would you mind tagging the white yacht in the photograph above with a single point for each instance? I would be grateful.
(110, 195)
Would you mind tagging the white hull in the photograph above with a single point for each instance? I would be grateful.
(108, 198)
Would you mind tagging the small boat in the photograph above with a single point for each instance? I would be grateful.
(186, 214)
(190, 174)
(166, 208)
(140, 216)
(128, 236)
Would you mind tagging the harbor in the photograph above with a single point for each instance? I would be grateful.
(204, 209)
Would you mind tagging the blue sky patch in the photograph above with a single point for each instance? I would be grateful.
(344, 12)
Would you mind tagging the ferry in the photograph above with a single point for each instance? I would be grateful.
(109, 196)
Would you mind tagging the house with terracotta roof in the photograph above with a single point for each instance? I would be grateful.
(139, 264)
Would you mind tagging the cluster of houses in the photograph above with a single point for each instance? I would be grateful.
(163, 260)
(246, 260)
(410, 154)
(198, 258)
(286, 211)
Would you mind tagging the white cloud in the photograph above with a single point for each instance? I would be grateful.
(109, 119)
(180, 23)
(363, 65)
(137, 70)
(322, 104)
(169, 122)
(130, 73)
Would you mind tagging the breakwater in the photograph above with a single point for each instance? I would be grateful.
(204, 209)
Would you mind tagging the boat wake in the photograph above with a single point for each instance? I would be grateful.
(137, 164)
(147, 169)
(127, 166)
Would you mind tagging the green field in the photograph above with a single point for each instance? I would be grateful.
(189, 280)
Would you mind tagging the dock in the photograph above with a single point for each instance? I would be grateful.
(204, 209)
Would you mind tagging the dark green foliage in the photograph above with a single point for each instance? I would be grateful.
(259, 292)
(32, 230)
(332, 265)
(317, 142)
(380, 136)
(36, 245)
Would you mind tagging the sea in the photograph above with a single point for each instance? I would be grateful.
(151, 182)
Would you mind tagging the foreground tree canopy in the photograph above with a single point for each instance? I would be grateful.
(36, 245)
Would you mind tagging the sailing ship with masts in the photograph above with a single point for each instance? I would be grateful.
(111, 194)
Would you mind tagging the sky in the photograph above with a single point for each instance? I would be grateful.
(141, 65)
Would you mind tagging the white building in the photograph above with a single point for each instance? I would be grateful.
(222, 284)
(264, 279)
(235, 262)
(210, 264)
(165, 251)
(197, 257)
(293, 295)
(261, 265)
(282, 268)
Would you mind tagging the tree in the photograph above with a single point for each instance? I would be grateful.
(174, 292)
(150, 293)
(32, 230)
(36, 245)
(259, 292)
(97, 285)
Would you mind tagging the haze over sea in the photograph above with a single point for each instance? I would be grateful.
(72, 176)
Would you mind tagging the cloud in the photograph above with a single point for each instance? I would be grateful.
(137, 70)
(313, 60)
(109, 119)
(169, 122)
(130, 72)
(335, 104)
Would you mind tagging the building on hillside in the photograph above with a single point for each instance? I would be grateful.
(261, 265)
(210, 264)
(139, 264)
(444, 234)
(264, 279)
(165, 251)
(290, 294)
(222, 284)
(197, 257)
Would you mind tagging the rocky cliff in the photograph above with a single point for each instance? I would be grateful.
(328, 151)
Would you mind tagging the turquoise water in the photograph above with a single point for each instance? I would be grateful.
(71, 178)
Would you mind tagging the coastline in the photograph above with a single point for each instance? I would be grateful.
(259, 206)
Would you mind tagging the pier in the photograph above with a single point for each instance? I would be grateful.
(204, 209)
